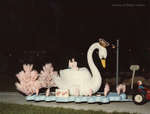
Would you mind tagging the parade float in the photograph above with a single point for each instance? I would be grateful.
(73, 84)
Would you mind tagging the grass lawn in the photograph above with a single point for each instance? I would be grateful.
(30, 109)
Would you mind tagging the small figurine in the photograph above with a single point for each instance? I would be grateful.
(141, 87)
(106, 89)
(77, 92)
(121, 88)
(73, 64)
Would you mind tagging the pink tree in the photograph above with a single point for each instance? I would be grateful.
(31, 82)
(28, 80)
(46, 77)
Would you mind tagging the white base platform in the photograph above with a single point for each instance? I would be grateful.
(112, 96)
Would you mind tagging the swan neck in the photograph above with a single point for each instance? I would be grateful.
(94, 70)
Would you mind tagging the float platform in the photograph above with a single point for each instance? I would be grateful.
(112, 96)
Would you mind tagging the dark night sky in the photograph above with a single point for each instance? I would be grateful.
(72, 25)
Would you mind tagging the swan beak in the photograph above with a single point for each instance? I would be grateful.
(103, 61)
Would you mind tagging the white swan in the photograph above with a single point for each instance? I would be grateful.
(81, 81)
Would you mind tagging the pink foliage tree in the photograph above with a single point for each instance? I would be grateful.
(31, 82)
(46, 77)
(28, 80)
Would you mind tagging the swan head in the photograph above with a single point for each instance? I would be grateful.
(102, 51)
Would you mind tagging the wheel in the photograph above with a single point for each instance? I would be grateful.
(139, 98)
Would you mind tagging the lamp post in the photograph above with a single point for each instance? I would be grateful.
(117, 63)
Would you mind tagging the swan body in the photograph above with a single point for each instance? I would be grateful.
(81, 81)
